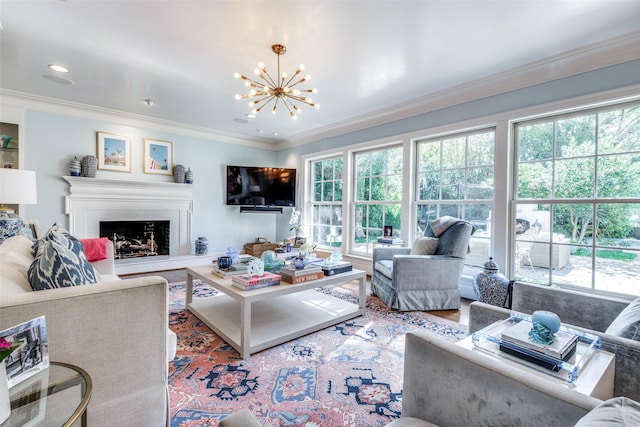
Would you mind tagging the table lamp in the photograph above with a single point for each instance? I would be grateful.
(17, 187)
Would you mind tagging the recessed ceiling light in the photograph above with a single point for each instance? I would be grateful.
(275, 134)
(250, 116)
(149, 102)
(58, 68)
(57, 79)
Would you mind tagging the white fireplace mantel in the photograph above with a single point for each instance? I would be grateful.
(92, 200)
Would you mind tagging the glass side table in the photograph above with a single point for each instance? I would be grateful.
(57, 396)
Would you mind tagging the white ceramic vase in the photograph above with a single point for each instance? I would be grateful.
(5, 402)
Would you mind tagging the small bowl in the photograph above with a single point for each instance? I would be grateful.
(224, 261)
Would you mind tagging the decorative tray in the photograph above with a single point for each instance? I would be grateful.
(489, 340)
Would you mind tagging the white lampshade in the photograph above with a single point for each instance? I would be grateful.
(18, 187)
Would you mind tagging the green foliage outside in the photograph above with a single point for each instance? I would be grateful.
(608, 254)
(587, 157)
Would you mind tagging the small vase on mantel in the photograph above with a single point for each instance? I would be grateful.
(178, 174)
(188, 177)
(5, 402)
(89, 165)
(75, 167)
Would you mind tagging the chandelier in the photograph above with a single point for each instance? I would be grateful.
(282, 89)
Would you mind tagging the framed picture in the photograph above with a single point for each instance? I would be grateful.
(158, 157)
(34, 227)
(114, 152)
(388, 231)
(32, 355)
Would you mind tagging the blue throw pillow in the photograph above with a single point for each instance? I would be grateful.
(58, 265)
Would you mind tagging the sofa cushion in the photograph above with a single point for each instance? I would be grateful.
(410, 422)
(627, 324)
(58, 266)
(424, 246)
(619, 411)
(15, 258)
(385, 267)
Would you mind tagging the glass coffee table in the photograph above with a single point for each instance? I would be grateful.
(589, 371)
(56, 396)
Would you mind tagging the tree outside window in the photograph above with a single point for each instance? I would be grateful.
(579, 177)
(326, 201)
(455, 177)
(378, 196)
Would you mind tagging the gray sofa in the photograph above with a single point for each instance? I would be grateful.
(116, 330)
(587, 312)
(449, 385)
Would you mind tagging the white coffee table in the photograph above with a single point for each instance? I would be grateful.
(251, 321)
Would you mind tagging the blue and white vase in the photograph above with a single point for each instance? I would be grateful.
(299, 262)
(490, 286)
(202, 246)
(75, 167)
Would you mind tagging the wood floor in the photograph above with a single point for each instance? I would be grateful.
(460, 316)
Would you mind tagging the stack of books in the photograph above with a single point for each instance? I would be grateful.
(517, 337)
(247, 282)
(340, 267)
(390, 241)
(308, 273)
(234, 270)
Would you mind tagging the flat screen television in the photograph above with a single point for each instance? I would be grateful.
(261, 186)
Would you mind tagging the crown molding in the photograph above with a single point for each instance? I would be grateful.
(22, 100)
(610, 52)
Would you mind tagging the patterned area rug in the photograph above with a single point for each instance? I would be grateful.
(349, 374)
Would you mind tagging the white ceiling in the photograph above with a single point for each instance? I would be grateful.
(364, 56)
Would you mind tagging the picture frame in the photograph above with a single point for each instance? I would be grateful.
(158, 157)
(388, 231)
(34, 227)
(113, 152)
(32, 356)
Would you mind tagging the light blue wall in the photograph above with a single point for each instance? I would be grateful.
(614, 77)
(52, 140)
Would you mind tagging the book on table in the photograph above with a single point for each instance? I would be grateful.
(252, 287)
(340, 267)
(562, 348)
(245, 280)
(234, 270)
(390, 241)
(308, 269)
(302, 278)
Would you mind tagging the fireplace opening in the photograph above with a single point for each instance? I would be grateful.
(133, 239)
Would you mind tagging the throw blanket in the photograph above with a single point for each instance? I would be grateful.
(442, 224)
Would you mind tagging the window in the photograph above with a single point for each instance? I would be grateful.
(378, 196)
(326, 202)
(577, 199)
(455, 177)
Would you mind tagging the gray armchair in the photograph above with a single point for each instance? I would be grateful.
(422, 282)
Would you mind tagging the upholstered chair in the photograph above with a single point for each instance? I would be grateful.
(423, 278)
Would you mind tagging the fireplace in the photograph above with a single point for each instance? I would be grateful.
(134, 239)
(93, 201)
